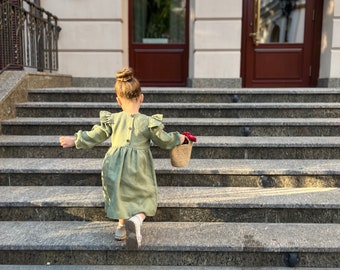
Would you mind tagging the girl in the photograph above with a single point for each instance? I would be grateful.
(128, 175)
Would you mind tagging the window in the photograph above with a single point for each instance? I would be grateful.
(159, 21)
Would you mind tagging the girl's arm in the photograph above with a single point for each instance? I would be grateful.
(162, 138)
(67, 141)
(91, 138)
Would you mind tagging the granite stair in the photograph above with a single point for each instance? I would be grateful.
(125, 267)
(212, 147)
(202, 126)
(261, 191)
(200, 110)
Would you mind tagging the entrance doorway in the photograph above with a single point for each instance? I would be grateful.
(281, 43)
(158, 41)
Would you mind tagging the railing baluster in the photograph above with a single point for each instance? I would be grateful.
(28, 36)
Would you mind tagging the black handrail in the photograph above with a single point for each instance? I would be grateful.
(11, 67)
(28, 36)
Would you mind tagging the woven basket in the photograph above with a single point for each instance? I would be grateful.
(180, 155)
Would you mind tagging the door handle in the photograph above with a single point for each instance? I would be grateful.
(255, 38)
(257, 15)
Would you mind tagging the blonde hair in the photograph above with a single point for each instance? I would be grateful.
(127, 86)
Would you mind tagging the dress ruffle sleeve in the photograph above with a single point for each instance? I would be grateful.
(98, 133)
(156, 120)
(160, 137)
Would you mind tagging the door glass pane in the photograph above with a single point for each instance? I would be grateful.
(282, 21)
(159, 21)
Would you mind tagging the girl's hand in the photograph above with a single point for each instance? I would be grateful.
(182, 139)
(67, 141)
(187, 136)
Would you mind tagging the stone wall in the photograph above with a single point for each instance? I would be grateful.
(15, 84)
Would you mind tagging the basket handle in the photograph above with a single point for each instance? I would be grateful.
(187, 141)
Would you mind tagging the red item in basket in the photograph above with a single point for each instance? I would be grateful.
(189, 136)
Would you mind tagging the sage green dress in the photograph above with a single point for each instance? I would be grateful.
(128, 174)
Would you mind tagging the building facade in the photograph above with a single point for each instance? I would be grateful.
(221, 43)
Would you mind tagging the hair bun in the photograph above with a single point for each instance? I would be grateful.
(125, 75)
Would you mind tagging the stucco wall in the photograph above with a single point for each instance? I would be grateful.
(335, 63)
(91, 40)
(326, 39)
(330, 45)
(217, 38)
(216, 42)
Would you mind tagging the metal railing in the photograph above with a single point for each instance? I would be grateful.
(28, 36)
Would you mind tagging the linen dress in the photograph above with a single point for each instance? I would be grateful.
(128, 174)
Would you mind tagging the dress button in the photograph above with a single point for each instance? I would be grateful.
(127, 140)
(130, 128)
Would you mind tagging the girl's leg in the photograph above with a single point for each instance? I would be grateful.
(120, 233)
(142, 216)
(133, 231)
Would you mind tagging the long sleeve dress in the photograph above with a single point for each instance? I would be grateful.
(128, 174)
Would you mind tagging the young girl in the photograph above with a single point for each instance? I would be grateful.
(128, 174)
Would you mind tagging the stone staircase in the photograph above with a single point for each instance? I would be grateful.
(261, 191)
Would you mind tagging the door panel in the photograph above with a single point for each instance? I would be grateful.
(156, 63)
(158, 41)
(281, 43)
(290, 67)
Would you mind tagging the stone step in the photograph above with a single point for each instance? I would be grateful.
(169, 243)
(217, 209)
(191, 95)
(206, 147)
(178, 204)
(199, 172)
(197, 126)
(192, 110)
(137, 267)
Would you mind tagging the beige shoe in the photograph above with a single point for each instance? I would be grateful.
(120, 233)
(133, 233)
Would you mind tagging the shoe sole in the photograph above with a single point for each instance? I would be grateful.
(120, 238)
(131, 237)
(122, 233)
